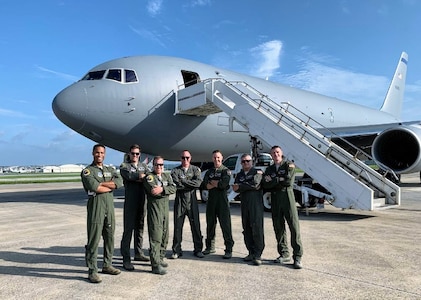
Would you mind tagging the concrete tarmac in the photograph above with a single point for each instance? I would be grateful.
(347, 254)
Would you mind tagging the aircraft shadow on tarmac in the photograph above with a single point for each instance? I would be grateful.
(340, 216)
(61, 256)
(72, 196)
(55, 196)
(75, 264)
(71, 257)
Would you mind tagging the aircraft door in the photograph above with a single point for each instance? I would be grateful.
(190, 78)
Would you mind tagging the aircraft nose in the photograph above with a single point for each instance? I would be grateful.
(70, 106)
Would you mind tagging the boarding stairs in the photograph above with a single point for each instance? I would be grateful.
(350, 181)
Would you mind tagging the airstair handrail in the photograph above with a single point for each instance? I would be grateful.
(351, 181)
(287, 107)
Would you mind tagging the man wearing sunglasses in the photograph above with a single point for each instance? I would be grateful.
(187, 178)
(158, 186)
(247, 183)
(133, 173)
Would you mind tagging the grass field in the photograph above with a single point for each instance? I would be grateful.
(39, 178)
(13, 178)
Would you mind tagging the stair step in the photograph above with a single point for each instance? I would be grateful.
(350, 181)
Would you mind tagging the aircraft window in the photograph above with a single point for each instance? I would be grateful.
(114, 74)
(230, 163)
(130, 76)
(94, 75)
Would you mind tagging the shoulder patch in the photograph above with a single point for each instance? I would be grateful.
(86, 172)
(291, 165)
(229, 172)
(259, 171)
(149, 178)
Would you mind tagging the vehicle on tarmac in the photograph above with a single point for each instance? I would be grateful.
(307, 192)
(233, 162)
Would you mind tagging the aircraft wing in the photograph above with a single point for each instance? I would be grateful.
(364, 130)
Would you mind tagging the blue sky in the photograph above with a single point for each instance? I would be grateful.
(347, 49)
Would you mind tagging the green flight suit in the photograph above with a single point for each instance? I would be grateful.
(217, 207)
(134, 208)
(185, 204)
(158, 214)
(252, 210)
(101, 217)
(284, 207)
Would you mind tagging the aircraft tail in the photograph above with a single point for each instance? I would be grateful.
(393, 101)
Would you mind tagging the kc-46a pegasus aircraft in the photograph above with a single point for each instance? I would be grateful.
(169, 104)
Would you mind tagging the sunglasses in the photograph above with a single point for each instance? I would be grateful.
(245, 161)
(135, 153)
(158, 165)
(185, 157)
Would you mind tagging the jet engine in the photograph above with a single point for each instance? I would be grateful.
(399, 148)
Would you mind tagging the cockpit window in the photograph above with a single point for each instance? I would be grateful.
(114, 74)
(94, 75)
(130, 76)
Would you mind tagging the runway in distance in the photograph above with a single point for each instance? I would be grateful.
(133, 100)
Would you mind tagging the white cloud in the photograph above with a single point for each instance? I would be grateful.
(267, 58)
(59, 74)
(154, 7)
(12, 113)
(223, 24)
(20, 137)
(337, 82)
(320, 74)
(147, 34)
(201, 2)
(64, 136)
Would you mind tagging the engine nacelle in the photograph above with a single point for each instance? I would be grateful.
(399, 149)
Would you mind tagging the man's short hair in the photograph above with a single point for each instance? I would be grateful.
(135, 146)
(156, 158)
(97, 146)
